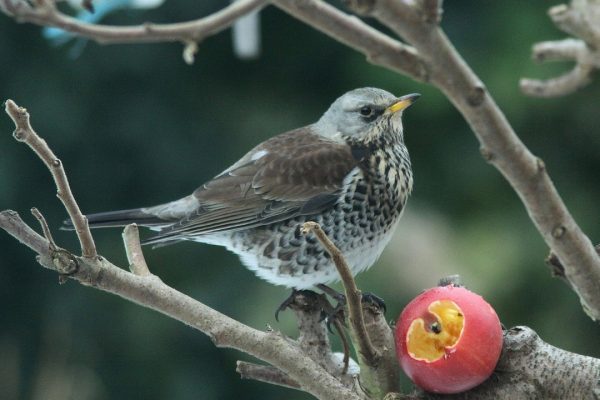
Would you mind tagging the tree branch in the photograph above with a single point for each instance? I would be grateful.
(25, 133)
(45, 13)
(45, 228)
(580, 19)
(353, 295)
(265, 373)
(149, 291)
(379, 48)
(133, 249)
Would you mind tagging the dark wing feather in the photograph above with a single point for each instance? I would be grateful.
(301, 173)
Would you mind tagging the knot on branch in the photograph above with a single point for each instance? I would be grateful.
(476, 95)
(64, 262)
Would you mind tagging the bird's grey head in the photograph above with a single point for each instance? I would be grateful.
(364, 113)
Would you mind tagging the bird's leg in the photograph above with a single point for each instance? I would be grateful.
(367, 298)
(331, 313)
(334, 294)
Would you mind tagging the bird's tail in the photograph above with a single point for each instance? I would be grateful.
(112, 219)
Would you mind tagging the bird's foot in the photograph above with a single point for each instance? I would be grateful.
(306, 300)
(373, 300)
(310, 301)
(367, 298)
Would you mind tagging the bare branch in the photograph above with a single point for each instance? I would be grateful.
(386, 375)
(379, 48)
(559, 50)
(133, 249)
(46, 14)
(12, 223)
(353, 295)
(581, 19)
(45, 228)
(151, 292)
(25, 133)
(562, 85)
(265, 373)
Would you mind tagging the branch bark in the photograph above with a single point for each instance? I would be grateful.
(379, 48)
(582, 20)
(133, 249)
(265, 373)
(45, 13)
(365, 348)
(25, 133)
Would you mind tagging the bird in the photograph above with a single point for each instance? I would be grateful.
(350, 172)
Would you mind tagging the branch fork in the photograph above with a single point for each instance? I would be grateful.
(581, 19)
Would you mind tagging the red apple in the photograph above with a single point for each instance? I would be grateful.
(448, 339)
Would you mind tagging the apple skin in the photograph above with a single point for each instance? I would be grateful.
(474, 354)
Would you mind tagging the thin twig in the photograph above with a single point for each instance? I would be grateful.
(133, 249)
(586, 60)
(265, 373)
(45, 228)
(562, 85)
(12, 223)
(353, 295)
(190, 31)
(25, 133)
(345, 346)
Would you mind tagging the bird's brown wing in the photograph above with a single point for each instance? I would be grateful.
(295, 173)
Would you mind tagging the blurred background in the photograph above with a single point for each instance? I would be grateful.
(136, 126)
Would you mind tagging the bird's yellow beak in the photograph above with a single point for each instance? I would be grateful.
(403, 102)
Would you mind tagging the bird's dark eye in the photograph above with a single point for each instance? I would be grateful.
(366, 111)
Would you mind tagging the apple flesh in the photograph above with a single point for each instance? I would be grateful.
(448, 339)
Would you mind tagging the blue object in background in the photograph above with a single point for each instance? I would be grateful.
(245, 31)
(59, 37)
